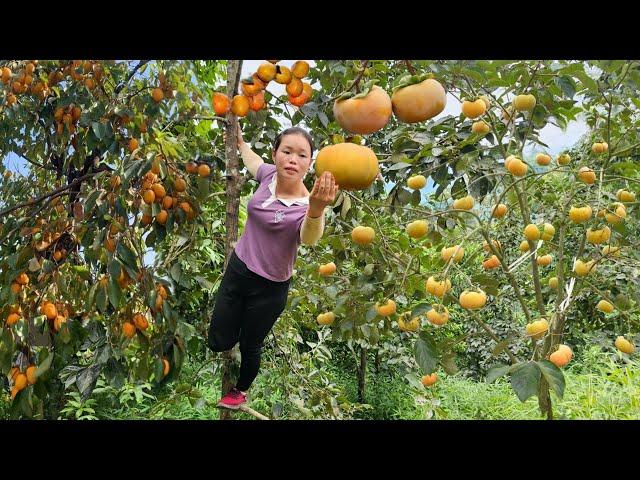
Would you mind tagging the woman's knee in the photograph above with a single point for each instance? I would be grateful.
(218, 344)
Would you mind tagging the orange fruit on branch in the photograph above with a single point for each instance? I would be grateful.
(221, 103)
(240, 105)
(364, 115)
(473, 109)
(419, 102)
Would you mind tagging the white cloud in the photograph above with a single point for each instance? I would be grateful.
(558, 139)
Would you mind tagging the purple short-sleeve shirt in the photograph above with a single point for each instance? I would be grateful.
(269, 243)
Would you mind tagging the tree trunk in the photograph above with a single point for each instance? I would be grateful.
(551, 340)
(362, 373)
(233, 207)
(544, 399)
(377, 361)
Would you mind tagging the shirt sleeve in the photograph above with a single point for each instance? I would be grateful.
(311, 229)
(265, 172)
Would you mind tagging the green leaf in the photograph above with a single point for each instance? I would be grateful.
(374, 338)
(204, 283)
(371, 313)
(398, 157)
(25, 403)
(158, 368)
(6, 340)
(567, 85)
(404, 196)
(554, 376)
(416, 197)
(91, 297)
(323, 119)
(115, 293)
(489, 284)
(477, 76)
(150, 239)
(126, 255)
(86, 381)
(99, 129)
(115, 268)
(44, 365)
(525, 380)
(202, 188)
(366, 331)
(82, 271)
(496, 372)
(5, 361)
(414, 380)
(587, 82)
(101, 299)
(459, 188)
(399, 166)
(175, 272)
(91, 201)
(420, 309)
(426, 353)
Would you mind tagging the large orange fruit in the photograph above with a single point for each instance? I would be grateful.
(354, 167)
(419, 102)
(364, 115)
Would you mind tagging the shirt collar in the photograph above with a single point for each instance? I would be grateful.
(287, 201)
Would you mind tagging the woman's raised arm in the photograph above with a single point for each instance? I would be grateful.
(250, 159)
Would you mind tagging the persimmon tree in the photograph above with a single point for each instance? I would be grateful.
(109, 149)
(496, 185)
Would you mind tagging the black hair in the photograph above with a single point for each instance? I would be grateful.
(294, 131)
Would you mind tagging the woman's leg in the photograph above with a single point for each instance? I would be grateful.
(265, 302)
(226, 320)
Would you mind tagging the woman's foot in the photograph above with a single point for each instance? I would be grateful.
(233, 399)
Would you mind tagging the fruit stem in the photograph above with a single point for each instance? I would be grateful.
(356, 82)
(412, 70)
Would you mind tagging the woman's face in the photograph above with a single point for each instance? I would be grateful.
(293, 157)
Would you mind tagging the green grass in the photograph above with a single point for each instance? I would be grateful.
(598, 386)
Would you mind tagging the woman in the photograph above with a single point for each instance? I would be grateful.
(282, 213)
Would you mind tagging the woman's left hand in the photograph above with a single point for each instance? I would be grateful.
(323, 193)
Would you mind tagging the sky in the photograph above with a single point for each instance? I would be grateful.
(557, 139)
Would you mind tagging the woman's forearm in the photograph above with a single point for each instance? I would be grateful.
(250, 159)
(312, 228)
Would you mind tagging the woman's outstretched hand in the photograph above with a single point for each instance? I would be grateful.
(323, 193)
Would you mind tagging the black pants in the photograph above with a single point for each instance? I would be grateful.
(247, 306)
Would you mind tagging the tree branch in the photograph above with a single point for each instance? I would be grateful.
(130, 76)
(50, 194)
